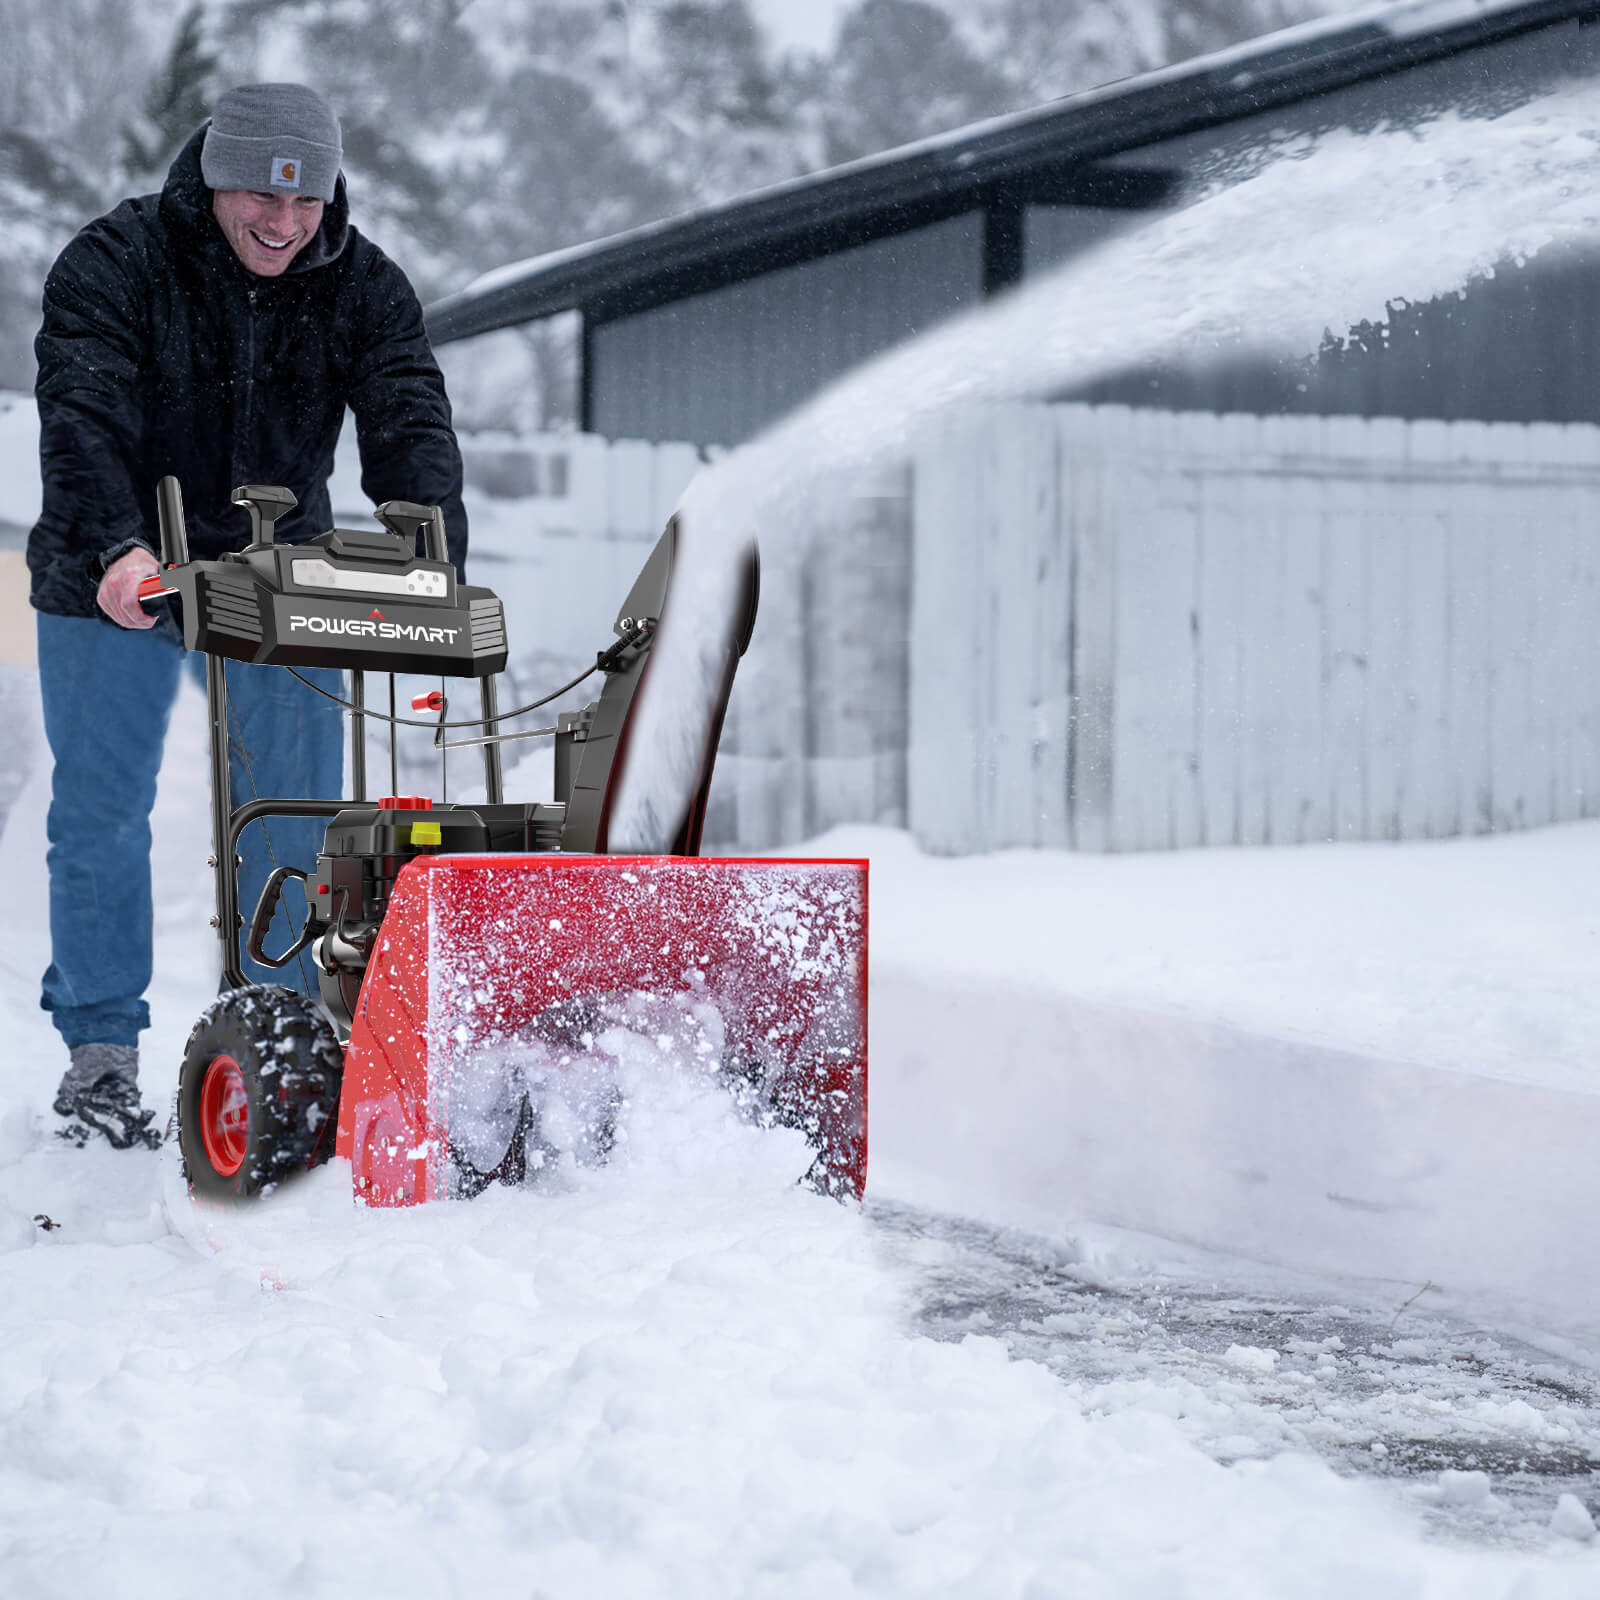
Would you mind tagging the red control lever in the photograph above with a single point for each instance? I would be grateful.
(433, 700)
(153, 588)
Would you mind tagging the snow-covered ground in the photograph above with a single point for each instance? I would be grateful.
(683, 1376)
(1364, 1071)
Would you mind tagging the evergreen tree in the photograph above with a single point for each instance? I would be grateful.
(1050, 48)
(901, 71)
(70, 76)
(712, 103)
(176, 103)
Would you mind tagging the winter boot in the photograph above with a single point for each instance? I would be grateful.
(100, 1095)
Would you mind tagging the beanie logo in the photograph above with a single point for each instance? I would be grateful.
(285, 172)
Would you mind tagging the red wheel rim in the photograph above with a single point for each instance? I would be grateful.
(224, 1115)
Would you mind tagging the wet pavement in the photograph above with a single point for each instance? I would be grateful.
(1478, 1431)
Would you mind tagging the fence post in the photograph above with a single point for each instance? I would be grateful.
(944, 758)
(857, 586)
(1088, 472)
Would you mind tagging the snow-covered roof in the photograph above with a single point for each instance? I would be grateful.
(951, 172)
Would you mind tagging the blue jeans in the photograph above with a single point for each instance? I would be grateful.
(108, 695)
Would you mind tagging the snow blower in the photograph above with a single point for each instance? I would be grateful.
(474, 960)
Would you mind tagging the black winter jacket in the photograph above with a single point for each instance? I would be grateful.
(160, 352)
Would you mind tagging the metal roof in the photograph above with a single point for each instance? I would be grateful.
(915, 183)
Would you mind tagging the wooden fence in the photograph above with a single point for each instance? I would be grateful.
(816, 729)
(1105, 629)
(567, 485)
(1142, 630)
(1109, 629)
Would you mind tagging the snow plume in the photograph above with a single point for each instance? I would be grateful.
(1319, 241)
(633, 1081)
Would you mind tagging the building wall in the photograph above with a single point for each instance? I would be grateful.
(1518, 346)
(1052, 235)
(717, 367)
(1483, 82)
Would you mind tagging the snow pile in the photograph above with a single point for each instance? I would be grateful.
(19, 460)
(636, 1081)
(1371, 1060)
(642, 1386)
(1571, 1519)
(1475, 956)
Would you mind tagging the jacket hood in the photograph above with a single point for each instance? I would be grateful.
(186, 206)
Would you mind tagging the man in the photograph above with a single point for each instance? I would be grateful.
(216, 331)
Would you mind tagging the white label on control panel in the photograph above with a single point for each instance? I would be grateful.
(316, 573)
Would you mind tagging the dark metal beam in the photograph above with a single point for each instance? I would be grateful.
(1002, 246)
(586, 373)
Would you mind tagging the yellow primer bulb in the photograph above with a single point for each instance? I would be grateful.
(425, 833)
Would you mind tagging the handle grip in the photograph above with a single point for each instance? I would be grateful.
(267, 504)
(406, 519)
(261, 920)
(174, 531)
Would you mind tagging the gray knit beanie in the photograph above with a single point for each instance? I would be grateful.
(273, 136)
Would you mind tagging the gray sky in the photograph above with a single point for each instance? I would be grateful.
(800, 23)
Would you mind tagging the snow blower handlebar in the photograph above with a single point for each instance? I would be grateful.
(174, 542)
(360, 600)
(364, 601)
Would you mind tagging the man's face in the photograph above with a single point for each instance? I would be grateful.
(267, 231)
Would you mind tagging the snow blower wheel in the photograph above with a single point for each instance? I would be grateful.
(258, 1093)
(224, 1115)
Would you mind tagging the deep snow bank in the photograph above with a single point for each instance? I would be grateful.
(1374, 1060)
